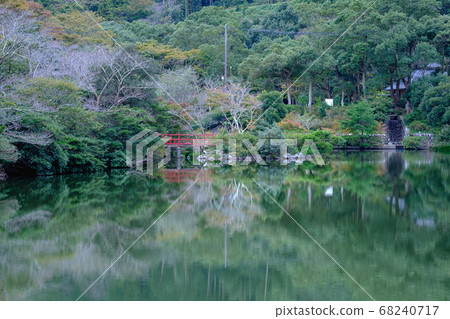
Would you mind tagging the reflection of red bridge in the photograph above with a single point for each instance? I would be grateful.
(182, 175)
(187, 139)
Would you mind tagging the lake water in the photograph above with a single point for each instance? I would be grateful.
(383, 216)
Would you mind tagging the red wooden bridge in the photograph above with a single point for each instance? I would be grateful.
(188, 139)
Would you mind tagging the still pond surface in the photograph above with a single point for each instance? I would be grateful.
(384, 216)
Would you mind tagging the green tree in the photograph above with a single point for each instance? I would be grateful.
(360, 120)
(273, 101)
(405, 45)
(284, 62)
(428, 100)
(48, 93)
(436, 104)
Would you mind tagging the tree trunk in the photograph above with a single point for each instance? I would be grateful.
(407, 82)
(391, 85)
(310, 94)
(364, 86)
(288, 86)
(342, 97)
(358, 86)
(397, 94)
(330, 94)
(3, 175)
(30, 66)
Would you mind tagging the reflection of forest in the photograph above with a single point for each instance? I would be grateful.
(383, 216)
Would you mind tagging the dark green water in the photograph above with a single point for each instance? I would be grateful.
(384, 216)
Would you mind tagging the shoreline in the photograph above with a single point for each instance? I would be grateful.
(270, 161)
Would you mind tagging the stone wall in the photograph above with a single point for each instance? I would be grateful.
(428, 139)
(384, 137)
(428, 136)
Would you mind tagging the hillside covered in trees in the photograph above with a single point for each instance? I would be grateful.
(79, 78)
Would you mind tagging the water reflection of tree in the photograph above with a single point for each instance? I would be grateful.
(233, 208)
(183, 257)
(91, 216)
(429, 188)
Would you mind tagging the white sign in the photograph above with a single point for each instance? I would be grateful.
(329, 102)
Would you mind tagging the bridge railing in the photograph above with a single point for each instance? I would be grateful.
(187, 139)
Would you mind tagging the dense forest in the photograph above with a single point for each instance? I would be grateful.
(79, 78)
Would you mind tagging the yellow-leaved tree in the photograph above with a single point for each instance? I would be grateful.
(169, 57)
(77, 27)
